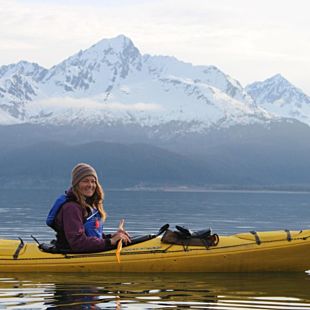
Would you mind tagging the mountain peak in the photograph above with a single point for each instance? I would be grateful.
(279, 96)
(119, 48)
(107, 60)
(23, 68)
(276, 85)
(117, 43)
(278, 78)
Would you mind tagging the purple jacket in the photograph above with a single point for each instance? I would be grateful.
(71, 234)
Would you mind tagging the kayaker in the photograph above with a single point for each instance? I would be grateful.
(78, 220)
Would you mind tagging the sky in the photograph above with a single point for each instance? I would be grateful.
(251, 40)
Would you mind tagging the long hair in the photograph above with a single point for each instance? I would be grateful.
(96, 201)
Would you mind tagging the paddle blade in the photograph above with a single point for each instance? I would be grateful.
(121, 224)
(118, 251)
(162, 229)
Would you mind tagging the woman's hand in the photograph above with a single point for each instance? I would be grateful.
(121, 234)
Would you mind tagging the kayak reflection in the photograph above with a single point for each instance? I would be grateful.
(131, 291)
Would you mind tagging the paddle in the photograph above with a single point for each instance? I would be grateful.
(118, 250)
(162, 230)
(120, 242)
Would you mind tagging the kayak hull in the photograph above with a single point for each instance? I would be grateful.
(265, 252)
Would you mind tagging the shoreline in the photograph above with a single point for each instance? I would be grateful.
(167, 188)
(211, 189)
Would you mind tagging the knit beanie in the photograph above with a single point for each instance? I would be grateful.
(81, 171)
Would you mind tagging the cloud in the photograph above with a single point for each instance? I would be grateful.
(247, 39)
(65, 103)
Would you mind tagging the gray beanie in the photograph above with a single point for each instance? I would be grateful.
(81, 171)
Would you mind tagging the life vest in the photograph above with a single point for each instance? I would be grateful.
(93, 224)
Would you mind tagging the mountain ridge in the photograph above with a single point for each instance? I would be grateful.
(112, 82)
(239, 158)
(28, 91)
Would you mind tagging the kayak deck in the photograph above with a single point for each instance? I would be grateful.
(246, 252)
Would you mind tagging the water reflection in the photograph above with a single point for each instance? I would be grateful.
(155, 291)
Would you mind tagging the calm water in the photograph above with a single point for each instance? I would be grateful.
(23, 213)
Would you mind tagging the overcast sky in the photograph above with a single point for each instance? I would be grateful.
(248, 39)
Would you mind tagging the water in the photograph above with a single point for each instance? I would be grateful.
(23, 213)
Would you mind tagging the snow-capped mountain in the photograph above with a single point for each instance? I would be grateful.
(18, 84)
(112, 83)
(277, 95)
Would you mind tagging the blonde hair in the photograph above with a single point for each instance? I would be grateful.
(96, 201)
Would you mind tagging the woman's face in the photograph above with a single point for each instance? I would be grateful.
(87, 186)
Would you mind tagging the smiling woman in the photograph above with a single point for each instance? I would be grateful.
(78, 216)
(87, 186)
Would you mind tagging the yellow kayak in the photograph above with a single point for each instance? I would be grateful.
(277, 251)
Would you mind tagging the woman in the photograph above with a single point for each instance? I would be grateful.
(78, 216)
